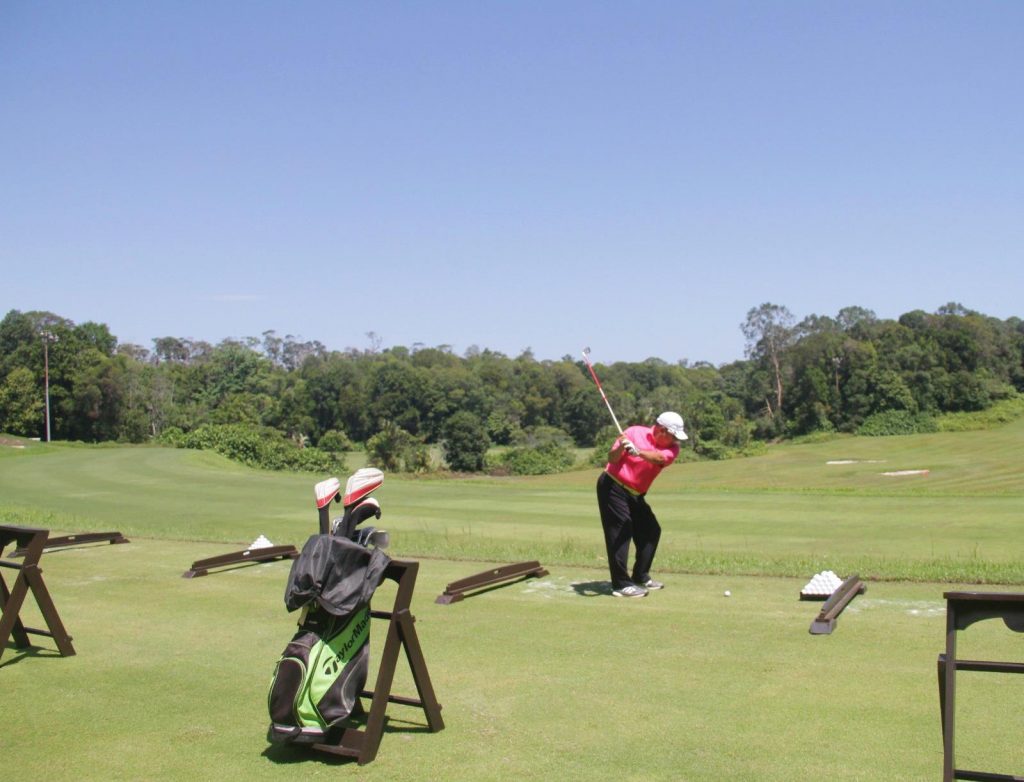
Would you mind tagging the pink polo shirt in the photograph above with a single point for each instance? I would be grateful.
(636, 473)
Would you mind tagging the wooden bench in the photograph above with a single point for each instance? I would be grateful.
(29, 577)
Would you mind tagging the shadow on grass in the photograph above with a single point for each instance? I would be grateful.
(25, 654)
(593, 588)
(286, 754)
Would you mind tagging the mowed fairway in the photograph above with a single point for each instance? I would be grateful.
(548, 678)
(779, 514)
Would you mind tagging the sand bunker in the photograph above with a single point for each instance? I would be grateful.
(855, 461)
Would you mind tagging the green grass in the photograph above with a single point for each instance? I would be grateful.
(548, 678)
(786, 513)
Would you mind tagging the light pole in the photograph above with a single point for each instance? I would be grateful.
(48, 337)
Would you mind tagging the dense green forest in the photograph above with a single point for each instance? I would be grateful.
(853, 372)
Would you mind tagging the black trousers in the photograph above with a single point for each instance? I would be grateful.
(627, 518)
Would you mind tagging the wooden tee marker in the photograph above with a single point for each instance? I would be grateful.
(29, 577)
(457, 590)
(202, 567)
(80, 539)
(825, 622)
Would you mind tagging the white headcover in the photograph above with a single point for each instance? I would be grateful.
(326, 491)
(361, 483)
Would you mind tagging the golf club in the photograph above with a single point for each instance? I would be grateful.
(586, 358)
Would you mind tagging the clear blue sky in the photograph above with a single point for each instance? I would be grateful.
(629, 176)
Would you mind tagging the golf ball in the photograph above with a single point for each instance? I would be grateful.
(727, 593)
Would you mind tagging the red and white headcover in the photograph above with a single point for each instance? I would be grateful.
(326, 491)
(361, 483)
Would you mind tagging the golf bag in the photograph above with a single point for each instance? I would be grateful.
(319, 678)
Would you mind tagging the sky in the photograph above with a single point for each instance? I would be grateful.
(632, 177)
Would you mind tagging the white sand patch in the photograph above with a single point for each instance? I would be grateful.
(90, 580)
(855, 461)
(924, 609)
(547, 588)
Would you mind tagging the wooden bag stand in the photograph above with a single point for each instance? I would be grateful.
(962, 610)
(30, 577)
(363, 744)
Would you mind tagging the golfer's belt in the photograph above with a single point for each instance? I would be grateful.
(630, 489)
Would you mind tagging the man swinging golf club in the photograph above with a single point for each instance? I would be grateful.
(634, 461)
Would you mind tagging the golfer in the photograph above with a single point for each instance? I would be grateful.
(634, 461)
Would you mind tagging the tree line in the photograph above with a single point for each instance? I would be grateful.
(822, 373)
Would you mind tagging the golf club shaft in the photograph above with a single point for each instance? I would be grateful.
(604, 396)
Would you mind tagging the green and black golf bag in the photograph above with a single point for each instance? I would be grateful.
(319, 678)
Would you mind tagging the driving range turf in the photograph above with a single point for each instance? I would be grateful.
(546, 678)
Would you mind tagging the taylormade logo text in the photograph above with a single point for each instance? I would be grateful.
(354, 641)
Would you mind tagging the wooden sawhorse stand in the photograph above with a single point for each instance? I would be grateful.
(30, 576)
(363, 744)
(962, 610)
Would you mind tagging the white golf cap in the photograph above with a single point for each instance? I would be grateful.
(674, 423)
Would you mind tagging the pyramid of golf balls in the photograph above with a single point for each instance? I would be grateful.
(261, 542)
(823, 583)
